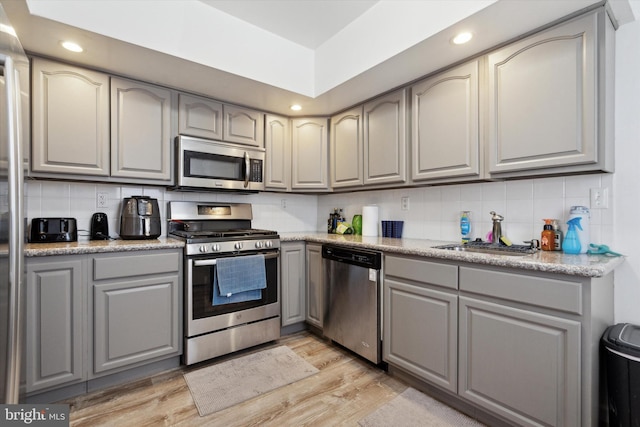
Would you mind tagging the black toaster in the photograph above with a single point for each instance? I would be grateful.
(47, 230)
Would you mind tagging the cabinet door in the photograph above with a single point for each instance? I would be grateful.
(135, 321)
(199, 117)
(431, 353)
(522, 365)
(55, 318)
(243, 126)
(346, 148)
(70, 120)
(385, 139)
(445, 128)
(543, 99)
(140, 131)
(309, 154)
(292, 274)
(278, 153)
(315, 285)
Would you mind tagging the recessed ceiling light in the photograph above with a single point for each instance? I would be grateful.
(73, 47)
(462, 38)
(296, 107)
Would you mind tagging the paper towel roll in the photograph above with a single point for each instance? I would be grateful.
(370, 221)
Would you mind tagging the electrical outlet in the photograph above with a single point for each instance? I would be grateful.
(102, 200)
(599, 198)
(283, 203)
(404, 203)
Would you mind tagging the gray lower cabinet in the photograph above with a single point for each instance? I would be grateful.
(55, 332)
(135, 310)
(418, 293)
(520, 364)
(529, 344)
(315, 285)
(292, 283)
(89, 316)
(523, 346)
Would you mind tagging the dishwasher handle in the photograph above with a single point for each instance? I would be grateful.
(358, 257)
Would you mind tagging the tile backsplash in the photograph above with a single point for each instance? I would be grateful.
(433, 211)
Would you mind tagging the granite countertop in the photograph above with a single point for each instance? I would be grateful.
(551, 262)
(99, 246)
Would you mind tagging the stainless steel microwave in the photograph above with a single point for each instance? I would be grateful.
(211, 164)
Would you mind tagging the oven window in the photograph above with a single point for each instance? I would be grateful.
(205, 165)
(202, 289)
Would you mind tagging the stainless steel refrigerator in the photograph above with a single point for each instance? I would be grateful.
(14, 94)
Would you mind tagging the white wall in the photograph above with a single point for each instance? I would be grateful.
(627, 176)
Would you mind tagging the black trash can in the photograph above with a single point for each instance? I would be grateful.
(621, 344)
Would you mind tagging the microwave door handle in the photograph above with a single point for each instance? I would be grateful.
(246, 169)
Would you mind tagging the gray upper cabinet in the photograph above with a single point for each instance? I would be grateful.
(445, 134)
(385, 141)
(293, 289)
(551, 100)
(310, 154)
(70, 119)
(346, 148)
(243, 126)
(55, 333)
(140, 131)
(278, 153)
(200, 117)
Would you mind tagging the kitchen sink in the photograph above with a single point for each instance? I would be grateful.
(489, 248)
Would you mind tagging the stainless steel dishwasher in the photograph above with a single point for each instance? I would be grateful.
(352, 309)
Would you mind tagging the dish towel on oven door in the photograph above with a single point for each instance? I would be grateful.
(239, 279)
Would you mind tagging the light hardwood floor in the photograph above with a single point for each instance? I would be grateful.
(345, 390)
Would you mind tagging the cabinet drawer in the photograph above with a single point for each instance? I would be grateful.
(126, 265)
(540, 291)
(445, 275)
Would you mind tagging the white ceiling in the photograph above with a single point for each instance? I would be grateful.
(326, 55)
(309, 23)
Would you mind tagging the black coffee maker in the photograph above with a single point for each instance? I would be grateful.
(99, 227)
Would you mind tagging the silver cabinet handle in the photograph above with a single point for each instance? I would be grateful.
(247, 172)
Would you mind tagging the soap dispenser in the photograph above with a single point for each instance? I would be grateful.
(571, 243)
(547, 236)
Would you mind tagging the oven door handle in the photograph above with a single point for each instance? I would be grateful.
(246, 169)
(205, 262)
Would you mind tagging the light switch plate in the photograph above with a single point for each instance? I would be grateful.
(599, 198)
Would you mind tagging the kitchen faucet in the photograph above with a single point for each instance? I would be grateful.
(496, 232)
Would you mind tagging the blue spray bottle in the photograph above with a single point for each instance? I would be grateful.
(571, 243)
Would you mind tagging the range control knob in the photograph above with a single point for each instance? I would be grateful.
(268, 244)
(259, 245)
(215, 247)
(203, 249)
(238, 246)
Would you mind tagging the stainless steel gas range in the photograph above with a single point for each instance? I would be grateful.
(231, 283)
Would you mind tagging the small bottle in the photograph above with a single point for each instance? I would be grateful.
(465, 226)
(547, 236)
(557, 236)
